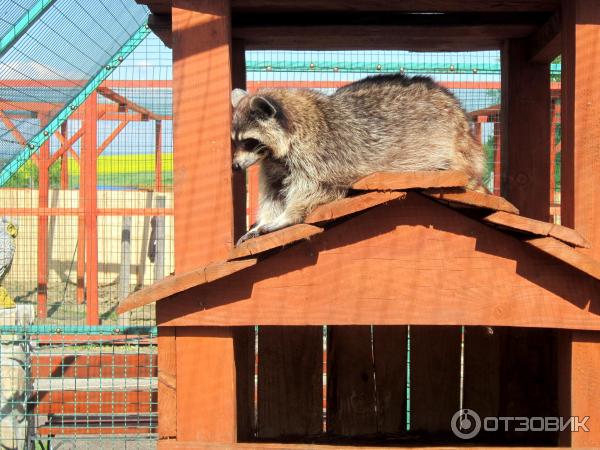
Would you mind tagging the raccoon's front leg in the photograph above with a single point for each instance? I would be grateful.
(270, 207)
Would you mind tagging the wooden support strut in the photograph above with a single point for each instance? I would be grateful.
(42, 228)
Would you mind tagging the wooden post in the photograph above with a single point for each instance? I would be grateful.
(158, 185)
(141, 269)
(497, 156)
(240, 179)
(580, 190)
(64, 160)
(125, 267)
(205, 405)
(42, 228)
(159, 223)
(525, 107)
(81, 241)
(90, 207)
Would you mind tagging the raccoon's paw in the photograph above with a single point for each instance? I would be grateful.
(252, 233)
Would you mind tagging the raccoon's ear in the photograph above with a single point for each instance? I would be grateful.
(263, 107)
(237, 95)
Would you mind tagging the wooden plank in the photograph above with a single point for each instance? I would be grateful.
(434, 378)
(472, 198)
(525, 107)
(201, 92)
(178, 283)
(386, 5)
(245, 360)
(351, 395)
(568, 255)
(238, 180)
(275, 239)
(386, 181)
(532, 226)
(350, 205)
(545, 44)
(400, 263)
(94, 402)
(390, 356)
(290, 382)
(114, 365)
(205, 382)
(167, 383)
(68, 429)
(585, 385)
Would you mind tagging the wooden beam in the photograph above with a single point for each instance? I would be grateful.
(275, 239)
(545, 44)
(525, 155)
(350, 205)
(348, 275)
(167, 383)
(472, 198)
(238, 181)
(129, 104)
(385, 181)
(567, 254)
(111, 137)
(12, 128)
(66, 146)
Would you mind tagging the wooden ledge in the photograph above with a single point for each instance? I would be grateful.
(567, 254)
(394, 181)
(178, 283)
(274, 239)
(538, 227)
(350, 205)
(472, 198)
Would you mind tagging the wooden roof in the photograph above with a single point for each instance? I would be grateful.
(381, 24)
(429, 194)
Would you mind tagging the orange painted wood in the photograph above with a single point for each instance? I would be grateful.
(434, 378)
(43, 253)
(201, 133)
(64, 158)
(158, 183)
(533, 226)
(525, 154)
(245, 365)
(238, 181)
(94, 366)
(290, 382)
(127, 103)
(350, 205)
(83, 339)
(585, 385)
(400, 263)
(567, 254)
(111, 137)
(88, 198)
(206, 397)
(79, 211)
(385, 181)
(12, 128)
(177, 283)
(472, 198)
(274, 239)
(351, 394)
(94, 402)
(167, 383)
(545, 44)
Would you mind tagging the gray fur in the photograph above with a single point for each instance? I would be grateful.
(312, 147)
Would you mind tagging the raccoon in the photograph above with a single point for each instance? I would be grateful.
(312, 147)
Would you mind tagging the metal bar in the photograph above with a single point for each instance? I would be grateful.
(23, 24)
(158, 187)
(34, 144)
(90, 205)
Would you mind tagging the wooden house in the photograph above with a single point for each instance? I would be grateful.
(503, 307)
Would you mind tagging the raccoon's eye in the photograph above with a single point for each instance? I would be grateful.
(250, 145)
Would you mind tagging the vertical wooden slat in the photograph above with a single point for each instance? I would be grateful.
(125, 266)
(580, 189)
(434, 378)
(201, 132)
(389, 355)
(351, 399)
(290, 381)
(206, 398)
(64, 159)
(42, 228)
(158, 183)
(525, 107)
(167, 383)
(245, 356)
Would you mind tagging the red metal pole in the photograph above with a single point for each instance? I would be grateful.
(64, 160)
(42, 256)
(158, 186)
(90, 207)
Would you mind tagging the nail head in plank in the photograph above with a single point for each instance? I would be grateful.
(350, 205)
(273, 240)
(538, 227)
(567, 254)
(472, 198)
(178, 283)
(383, 181)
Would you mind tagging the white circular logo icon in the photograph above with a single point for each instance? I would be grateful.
(466, 423)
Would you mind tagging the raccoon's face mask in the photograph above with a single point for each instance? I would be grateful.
(255, 130)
